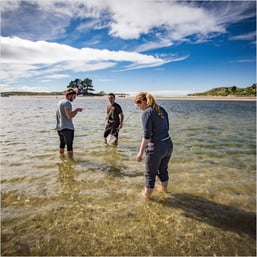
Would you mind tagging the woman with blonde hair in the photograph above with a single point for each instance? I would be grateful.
(156, 142)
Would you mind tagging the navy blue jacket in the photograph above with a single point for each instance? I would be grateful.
(155, 127)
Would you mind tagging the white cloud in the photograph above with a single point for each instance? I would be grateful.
(25, 58)
(133, 18)
(140, 25)
(165, 22)
(161, 62)
(153, 45)
(248, 36)
(57, 76)
(31, 89)
(10, 88)
(4, 87)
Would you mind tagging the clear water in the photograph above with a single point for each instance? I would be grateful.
(93, 205)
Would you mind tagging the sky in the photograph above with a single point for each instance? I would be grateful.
(166, 47)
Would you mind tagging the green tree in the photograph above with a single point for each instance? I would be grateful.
(75, 84)
(85, 87)
(254, 87)
(234, 88)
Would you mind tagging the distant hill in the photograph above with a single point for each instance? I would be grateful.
(229, 91)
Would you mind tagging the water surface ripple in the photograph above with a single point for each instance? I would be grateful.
(93, 205)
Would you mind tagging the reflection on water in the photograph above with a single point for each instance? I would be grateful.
(93, 205)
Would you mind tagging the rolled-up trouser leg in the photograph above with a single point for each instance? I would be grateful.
(156, 162)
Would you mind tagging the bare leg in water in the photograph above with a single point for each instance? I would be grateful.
(61, 151)
(164, 186)
(70, 155)
(147, 193)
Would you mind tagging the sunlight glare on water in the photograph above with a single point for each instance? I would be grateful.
(93, 205)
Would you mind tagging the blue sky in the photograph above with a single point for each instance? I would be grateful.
(169, 48)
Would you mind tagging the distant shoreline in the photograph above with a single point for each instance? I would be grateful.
(208, 98)
(197, 98)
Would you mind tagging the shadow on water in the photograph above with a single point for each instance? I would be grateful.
(218, 215)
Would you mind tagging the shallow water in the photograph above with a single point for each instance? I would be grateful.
(93, 205)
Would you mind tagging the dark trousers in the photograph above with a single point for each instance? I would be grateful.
(66, 138)
(111, 128)
(156, 162)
